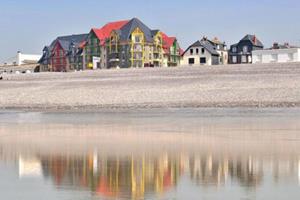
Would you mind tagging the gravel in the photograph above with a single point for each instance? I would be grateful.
(276, 85)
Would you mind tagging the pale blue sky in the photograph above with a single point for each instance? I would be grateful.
(31, 24)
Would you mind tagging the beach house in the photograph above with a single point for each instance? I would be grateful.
(171, 51)
(136, 45)
(95, 51)
(65, 53)
(205, 52)
(221, 48)
(242, 51)
(277, 54)
(127, 43)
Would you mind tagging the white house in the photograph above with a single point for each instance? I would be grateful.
(205, 52)
(200, 53)
(277, 54)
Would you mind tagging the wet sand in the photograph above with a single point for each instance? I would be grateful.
(276, 85)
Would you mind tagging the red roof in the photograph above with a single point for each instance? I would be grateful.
(168, 41)
(104, 32)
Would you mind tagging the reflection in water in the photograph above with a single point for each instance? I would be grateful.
(132, 177)
(154, 157)
(136, 177)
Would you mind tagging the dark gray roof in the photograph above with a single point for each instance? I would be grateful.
(46, 55)
(205, 44)
(154, 32)
(134, 23)
(255, 41)
(216, 43)
(66, 41)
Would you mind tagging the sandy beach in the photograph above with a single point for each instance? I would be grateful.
(276, 85)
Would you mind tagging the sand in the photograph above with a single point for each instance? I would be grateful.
(276, 85)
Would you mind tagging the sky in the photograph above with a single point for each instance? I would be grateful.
(29, 25)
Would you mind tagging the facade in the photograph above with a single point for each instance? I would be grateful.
(171, 51)
(202, 52)
(95, 48)
(128, 43)
(277, 54)
(66, 53)
(221, 48)
(136, 45)
(241, 53)
(45, 60)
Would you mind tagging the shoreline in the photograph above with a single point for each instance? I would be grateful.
(232, 86)
(141, 107)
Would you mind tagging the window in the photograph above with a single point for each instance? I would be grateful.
(137, 39)
(191, 61)
(203, 60)
(234, 49)
(202, 50)
(245, 49)
(197, 51)
(95, 41)
(234, 59)
(191, 51)
(244, 59)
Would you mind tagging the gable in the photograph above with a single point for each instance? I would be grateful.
(57, 46)
(204, 44)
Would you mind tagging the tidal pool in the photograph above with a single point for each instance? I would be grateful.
(175, 154)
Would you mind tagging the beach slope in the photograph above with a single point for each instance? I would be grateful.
(276, 85)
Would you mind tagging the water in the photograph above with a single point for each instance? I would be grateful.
(171, 154)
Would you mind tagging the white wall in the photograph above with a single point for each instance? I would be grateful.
(196, 56)
(280, 55)
(21, 58)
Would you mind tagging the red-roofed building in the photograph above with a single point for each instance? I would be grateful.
(95, 46)
(172, 51)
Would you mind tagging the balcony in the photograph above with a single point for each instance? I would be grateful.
(114, 57)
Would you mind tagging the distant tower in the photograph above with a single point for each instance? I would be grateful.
(19, 58)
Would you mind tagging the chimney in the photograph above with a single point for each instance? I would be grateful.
(254, 39)
(286, 44)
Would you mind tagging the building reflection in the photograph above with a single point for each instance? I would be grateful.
(129, 176)
(142, 176)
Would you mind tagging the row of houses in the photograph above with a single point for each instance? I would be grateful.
(248, 50)
(121, 44)
(131, 43)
